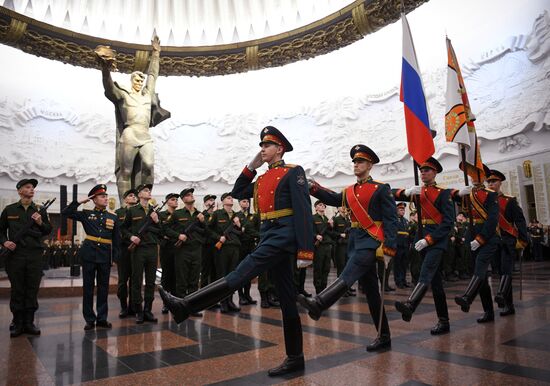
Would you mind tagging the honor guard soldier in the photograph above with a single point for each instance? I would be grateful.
(208, 272)
(437, 212)
(324, 239)
(373, 227)
(342, 227)
(225, 227)
(24, 262)
(167, 246)
(484, 243)
(124, 263)
(100, 248)
(187, 227)
(401, 258)
(145, 252)
(513, 233)
(251, 233)
(281, 198)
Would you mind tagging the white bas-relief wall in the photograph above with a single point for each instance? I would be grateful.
(56, 125)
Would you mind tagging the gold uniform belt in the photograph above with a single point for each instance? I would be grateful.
(357, 224)
(99, 240)
(478, 221)
(403, 233)
(276, 214)
(428, 222)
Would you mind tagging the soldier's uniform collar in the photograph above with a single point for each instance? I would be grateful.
(99, 209)
(364, 180)
(277, 164)
(431, 184)
(32, 204)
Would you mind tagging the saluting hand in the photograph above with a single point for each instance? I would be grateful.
(256, 161)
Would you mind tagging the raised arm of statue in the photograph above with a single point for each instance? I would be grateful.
(154, 64)
(107, 61)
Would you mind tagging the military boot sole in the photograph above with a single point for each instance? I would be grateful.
(405, 310)
(314, 310)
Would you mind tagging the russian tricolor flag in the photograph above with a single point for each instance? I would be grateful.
(417, 117)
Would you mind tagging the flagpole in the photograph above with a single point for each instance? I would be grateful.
(466, 199)
(417, 202)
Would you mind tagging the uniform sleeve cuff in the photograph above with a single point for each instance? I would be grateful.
(389, 251)
(249, 173)
(305, 255)
(429, 239)
(480, 239)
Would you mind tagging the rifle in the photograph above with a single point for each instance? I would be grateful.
(147, 224)
(193, 227)
(230, 230)
(27, 229)
(322, 233)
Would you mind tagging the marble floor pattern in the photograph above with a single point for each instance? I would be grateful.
(237, 349)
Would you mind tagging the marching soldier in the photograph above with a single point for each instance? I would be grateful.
(324, 238)
(145, 253)
(101, 247)
(187, 227)
(282, 199)
(167, 247)
(342, 227)
(484, 243)
(225, 227)
(251, 233)
(513, 233)
(24, 264)
(208, 271)
(401, 261)
(374, 227)
(437, 220)
(537, 237)
(124, 263)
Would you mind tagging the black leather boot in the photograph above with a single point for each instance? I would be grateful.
(123, 309)
(380, 343)
(272, 300)
(292, 329)
(224, 306)
(28, 325)
(408, 307)
(246, 291)
(197, 301)
(147, 314)
(17, 329)
(231, 305)
(505, 286)
(487, 317)
(508, 310)
(324, 300)
(442, 327)
(263, 300)
(243, 301)
(139, 313)
(465, 300)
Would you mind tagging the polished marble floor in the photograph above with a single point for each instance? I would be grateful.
(238, 349)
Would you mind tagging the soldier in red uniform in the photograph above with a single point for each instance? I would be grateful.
(374, 225)
(281, 198)
(513, 234)
(437, 219)
(484, 243)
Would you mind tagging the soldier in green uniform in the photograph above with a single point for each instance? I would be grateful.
(449, 257)
(461, 252)
(145, 252)
(167, 247)
(208, 270)
(251, 234)
(415, 258)
(324, 239)
(124, 263)
(341, 225)
(225, 227)
(187, 227)
(24, 264)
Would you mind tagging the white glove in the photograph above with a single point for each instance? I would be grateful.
(465, 191)
(387, 260)
(475, 245)
(413, 190)
(256, 162)
(420, 245)
(303, 263)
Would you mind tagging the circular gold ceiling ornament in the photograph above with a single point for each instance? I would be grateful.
(332, 32)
